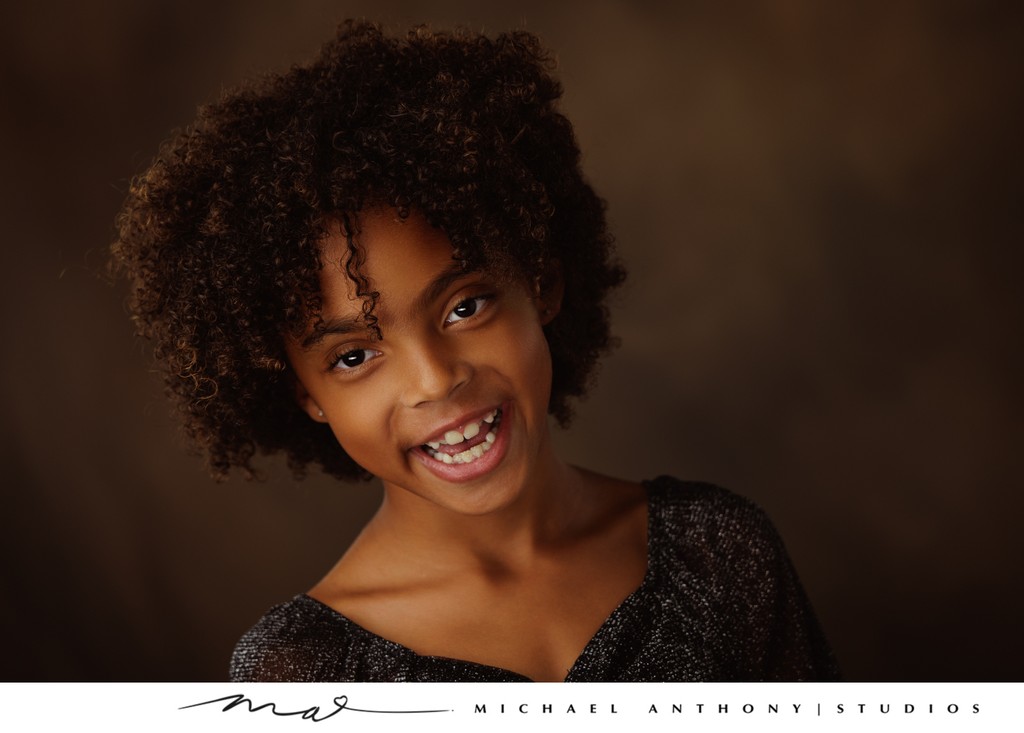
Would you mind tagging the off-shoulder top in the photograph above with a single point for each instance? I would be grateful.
(720, 601)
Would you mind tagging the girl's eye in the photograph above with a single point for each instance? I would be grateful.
(354, 358)
(466, 309)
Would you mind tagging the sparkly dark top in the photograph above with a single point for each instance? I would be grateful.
(720, 602)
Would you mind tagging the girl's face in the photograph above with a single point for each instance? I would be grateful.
(450, 405)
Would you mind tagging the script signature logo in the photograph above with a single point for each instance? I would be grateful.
(314, 713)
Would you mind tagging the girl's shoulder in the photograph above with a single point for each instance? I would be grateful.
(304, 640)
(721, 553)
(701, 518)
(698, 500)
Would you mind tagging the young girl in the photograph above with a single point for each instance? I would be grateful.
(388, 263)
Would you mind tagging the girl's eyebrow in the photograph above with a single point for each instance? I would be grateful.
(455, 271)
(351, 324)
(342, 325)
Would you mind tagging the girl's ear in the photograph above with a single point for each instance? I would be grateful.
(550, 288)
(307, 403)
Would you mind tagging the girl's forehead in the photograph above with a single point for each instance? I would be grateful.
(394, 257)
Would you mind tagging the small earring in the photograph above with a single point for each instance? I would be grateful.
(320, 413)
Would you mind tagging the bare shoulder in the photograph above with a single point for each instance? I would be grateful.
(616, 503)
(366, 573)
(612, 486)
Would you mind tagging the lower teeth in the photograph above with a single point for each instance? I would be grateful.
(470, 455)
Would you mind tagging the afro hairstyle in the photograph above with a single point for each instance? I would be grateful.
(220, 238)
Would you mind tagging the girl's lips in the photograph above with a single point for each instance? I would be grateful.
(478, 466)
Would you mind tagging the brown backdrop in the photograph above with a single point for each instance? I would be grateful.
(820, 207)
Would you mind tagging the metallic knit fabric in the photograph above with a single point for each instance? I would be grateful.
(720, 602)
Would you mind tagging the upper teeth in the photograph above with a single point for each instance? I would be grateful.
(454, 437)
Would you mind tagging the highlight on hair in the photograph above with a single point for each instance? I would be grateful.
(220, 237)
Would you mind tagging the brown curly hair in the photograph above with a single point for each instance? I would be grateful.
(220, 237)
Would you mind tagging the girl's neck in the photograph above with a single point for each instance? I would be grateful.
(549, 511)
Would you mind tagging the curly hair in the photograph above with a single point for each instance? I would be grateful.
(220, 238)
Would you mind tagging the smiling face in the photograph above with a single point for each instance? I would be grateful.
(450, 405)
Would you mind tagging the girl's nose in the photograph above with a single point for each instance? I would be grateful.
(435, 373)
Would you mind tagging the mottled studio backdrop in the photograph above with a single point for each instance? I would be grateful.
(820, 204)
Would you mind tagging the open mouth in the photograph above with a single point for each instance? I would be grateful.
(468, 445)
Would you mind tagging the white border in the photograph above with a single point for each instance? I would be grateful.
(514, 707)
